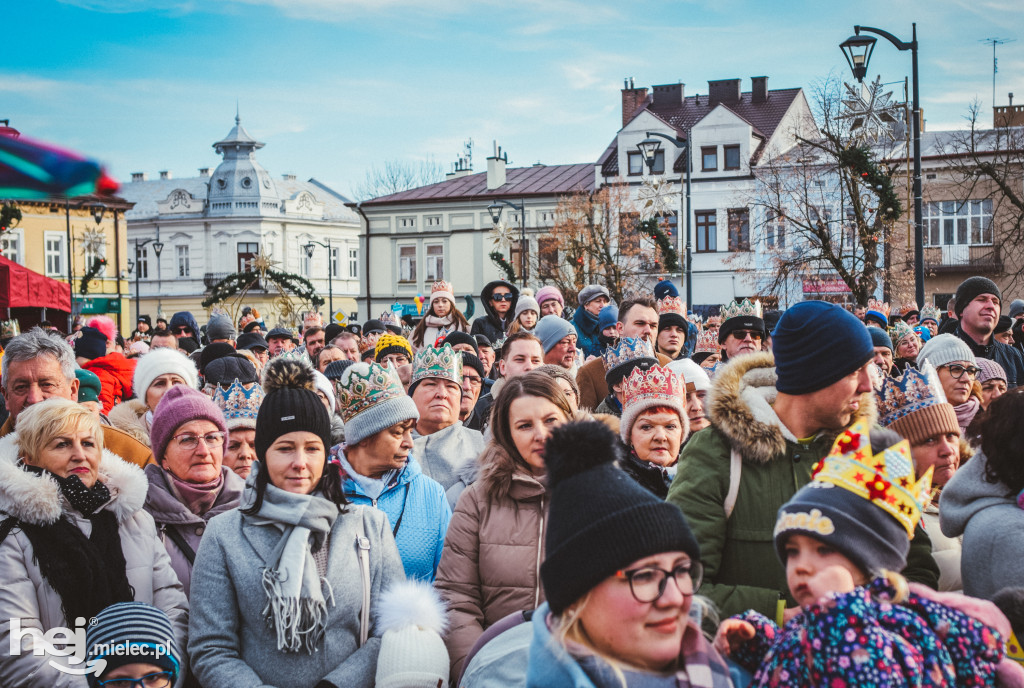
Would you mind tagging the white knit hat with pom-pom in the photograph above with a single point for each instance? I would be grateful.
(412, 653)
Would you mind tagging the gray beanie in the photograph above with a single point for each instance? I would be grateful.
(526, 303)
(552, 329)
(1016, 308)
(370, 399)
(591, 292)
(943, 349)
(220, 327)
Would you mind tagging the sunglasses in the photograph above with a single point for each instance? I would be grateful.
(743, 334)
(183, 330)
(501, 297)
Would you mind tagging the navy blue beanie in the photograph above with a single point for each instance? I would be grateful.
(816, 344)
(665, 288)
(880, 337)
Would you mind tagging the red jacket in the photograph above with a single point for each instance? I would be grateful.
(115, 373)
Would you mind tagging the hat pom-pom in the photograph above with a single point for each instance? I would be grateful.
(283, 373)
(411, 603)
(579, 446)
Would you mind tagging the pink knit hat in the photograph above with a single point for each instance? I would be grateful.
(549, 292)
(179, 405)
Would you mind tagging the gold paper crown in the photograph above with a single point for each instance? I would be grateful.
(742, 309)
(707, 342)
(908, 308)
(362, 391)
(672, 304)
(899, 330)
(442, 362)
(656, 384)
(885, 479)
(879, 307)
(930, 313)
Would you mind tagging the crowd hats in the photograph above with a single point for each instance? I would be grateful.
(1016, 308)
(90, 343)
(914, 405)
(664, 289)
(392, 344)
(900, 331)
(552, 329)
(630, 353)
(600, 519)
(672, 311)
(741, 315)
(877, 313)
(880, 337)
(159, 362)
(707, 344)
(647, 389)
(591, 292)
(370, 399)
(220, 327)
(943, 349)
(129, 633)
(460, 337)
(290, 404)
(694, 377)
(280, 333)
(608, 316)
(472, 361)
(802, 364)
(909, 310)
(437, 362)
(240, 404)
(235, 367)
(251, 341)
(970, 289)
(1004, 324)
(988, 370)
(524, 303)
(930, 313)
(179, 405)
(89, 385)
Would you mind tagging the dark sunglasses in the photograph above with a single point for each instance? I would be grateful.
(743, 334)
(501, 297)
(183, 330)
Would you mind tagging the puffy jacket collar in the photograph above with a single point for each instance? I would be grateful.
(740, 407)
(502, 475)
(549, 664)
(485, 298)
(166, 508)
(37, 499)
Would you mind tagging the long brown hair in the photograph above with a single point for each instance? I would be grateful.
(459, 322)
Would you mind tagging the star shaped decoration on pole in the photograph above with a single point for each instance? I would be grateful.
(502, 236)
(872, 114)
(263, 264)
(657, 197)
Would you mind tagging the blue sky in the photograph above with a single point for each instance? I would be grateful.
(334, 87)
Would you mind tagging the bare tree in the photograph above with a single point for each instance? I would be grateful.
(398, 175)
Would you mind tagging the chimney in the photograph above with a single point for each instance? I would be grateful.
(669, 94)
(723, 91)
(758, 89)
(165, 174)
(204, 171)
(288, 177)
(632, 98)
(496, 168)
(138, 176)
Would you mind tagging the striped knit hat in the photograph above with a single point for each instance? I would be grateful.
(129, 633)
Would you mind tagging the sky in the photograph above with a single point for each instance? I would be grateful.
(337, 87)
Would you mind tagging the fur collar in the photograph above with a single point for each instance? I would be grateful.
(130, 417)
(37, 499)
(740, 407)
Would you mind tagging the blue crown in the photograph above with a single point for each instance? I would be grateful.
(901, 396)
(240, 405)
(628, 349)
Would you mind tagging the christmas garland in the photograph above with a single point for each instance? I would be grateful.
(858, 159)
(652, 228)
(97, 266)
(498, 259)
(10, 215)
(232, 284)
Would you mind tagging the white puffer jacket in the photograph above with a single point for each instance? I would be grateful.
(27, 596)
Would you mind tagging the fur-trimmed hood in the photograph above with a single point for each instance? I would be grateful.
(130, 417)
(740, 407)
(37, 499)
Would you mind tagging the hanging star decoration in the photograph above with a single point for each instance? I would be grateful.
(872, 114)
(93, 241)
(501, 236)
(263, 264)
(658, 196)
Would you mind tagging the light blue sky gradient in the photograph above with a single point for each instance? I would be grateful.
(336, 86)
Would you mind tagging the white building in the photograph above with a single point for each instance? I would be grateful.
(216, 224)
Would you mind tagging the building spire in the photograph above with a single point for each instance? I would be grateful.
(238, 120)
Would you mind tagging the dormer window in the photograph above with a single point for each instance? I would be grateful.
(732, 157)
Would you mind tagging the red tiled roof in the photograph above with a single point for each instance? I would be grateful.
(539, 180)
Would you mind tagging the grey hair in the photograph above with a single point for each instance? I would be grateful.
(36, 342)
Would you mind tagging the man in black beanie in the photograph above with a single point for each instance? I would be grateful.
(977, 305)
(774, 416)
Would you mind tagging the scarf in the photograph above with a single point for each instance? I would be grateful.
(371, 487)
(966, 411)
(296, 605)
(197, 497)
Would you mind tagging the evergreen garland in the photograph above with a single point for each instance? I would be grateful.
(97, 266)
(10, 215)
(498, 259)
(232, 284)
(652, 228)
(858, 159)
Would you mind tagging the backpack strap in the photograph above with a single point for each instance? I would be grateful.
(735, 468)
(363, 543)
(179, 541)
(6, 526)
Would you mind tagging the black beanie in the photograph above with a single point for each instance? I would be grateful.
(459, 337)
(971, 288)
(600, 519)
(290, 404)
(741, 322)
(817, 343)
(91, 343)
(473, 362)
(211, 352)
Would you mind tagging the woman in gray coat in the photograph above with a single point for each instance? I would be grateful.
(279, 585)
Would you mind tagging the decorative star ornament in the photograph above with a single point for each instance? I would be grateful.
(657, 196)
(263, 264)
(502, 236)
(93, 241)
(872, 113)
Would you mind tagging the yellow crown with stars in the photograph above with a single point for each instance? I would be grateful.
(885, 479)
(655, 384)
(672, 304)
(742, 309)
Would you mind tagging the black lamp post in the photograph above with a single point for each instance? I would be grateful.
(857, 49)
(495, 210)
(158, 247)
(309, 247)
(649, 148)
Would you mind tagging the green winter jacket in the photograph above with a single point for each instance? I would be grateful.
(741, 568)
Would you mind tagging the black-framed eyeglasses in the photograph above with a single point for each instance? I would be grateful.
(474, 381)
(957, 371)
(190, 440)
(648, 583)
(743, 334)
(161, 679)
(501, 297)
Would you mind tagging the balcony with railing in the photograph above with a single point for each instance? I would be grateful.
(962, 258)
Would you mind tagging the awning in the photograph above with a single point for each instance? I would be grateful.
(23, 288)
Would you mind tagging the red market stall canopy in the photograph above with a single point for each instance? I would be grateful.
(23, 288)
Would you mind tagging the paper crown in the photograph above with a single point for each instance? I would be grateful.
(299, 353)
(742, 309)
(885, 479)
(361, 391)
(707, 342)
(9, 328)
(628, 349)
(442, 362)
(898, 331)
(930, 313)
(388, 317)
(240, 405)
(672, 304)
(879, 309)
(908, 308)
(914, 390)
(714, 321)
(654, 384)
(441, 286)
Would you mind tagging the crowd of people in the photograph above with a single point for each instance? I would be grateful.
(562, 492)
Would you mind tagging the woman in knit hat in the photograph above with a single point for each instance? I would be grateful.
(906, 347)
(653, 427)
(992, 379)
(496, 536)
(441, 317)
(188, 484)
(620, 574)
(240, 404)
(155, 373)
(698, 384)
(526, 314)
(284, 587)
(958, 372)
(550, 300)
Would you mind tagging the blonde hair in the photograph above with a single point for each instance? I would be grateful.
(899, 584)
(40, 423)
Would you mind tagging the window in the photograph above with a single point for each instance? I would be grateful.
(739, 229)
(407, 222)
(433, 221)
(775, 231)
(184, 270)
(952, 223)
(707, 231)
(54, 253)
(247, 253)
(406, 263)
(547, 257)
(142, 262)
(435, 262)
(521, 258)
(353, 263)
(547, 218)
(709, 158)
(659, 163)
(636, 163)
(732, 157)
(335, 262)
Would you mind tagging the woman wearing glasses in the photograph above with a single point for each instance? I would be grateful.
(958, 372)
(620, 574)
(188, 484)
(74, 540)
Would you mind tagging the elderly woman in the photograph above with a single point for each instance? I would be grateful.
(379, 469)
(74, 539)
(958, 371)
(155, 373)
(653, 427)
(188, 484)
(906, 347)
(698, 384)
(495, 541)
(240, 404)
(283, 588)
(992, 379)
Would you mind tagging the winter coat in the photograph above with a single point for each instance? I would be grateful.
(1003, 354)
(991, 522)
(169, 513)
(231, 643)
(650, 476)
(130, 417)
(418, 512)
(741, 567)
(26, 595)
(117, 442)
(490, 324)
(502, 662)
(443, 453)
(590, 380)
(587, 334)
(490, 566)
(115, 373)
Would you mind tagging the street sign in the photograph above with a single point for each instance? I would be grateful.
(340, 317)
(94, 305)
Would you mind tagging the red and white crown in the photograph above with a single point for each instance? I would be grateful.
(672, 304)
(654, 384)
(443, 289)
(707, 342)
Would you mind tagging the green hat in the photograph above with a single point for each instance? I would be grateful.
(88, 385)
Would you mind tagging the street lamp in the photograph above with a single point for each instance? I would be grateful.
(858, 49)
(309, 248)
(649, 148)
(97, 214)
(158, 247)
(495, 210)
